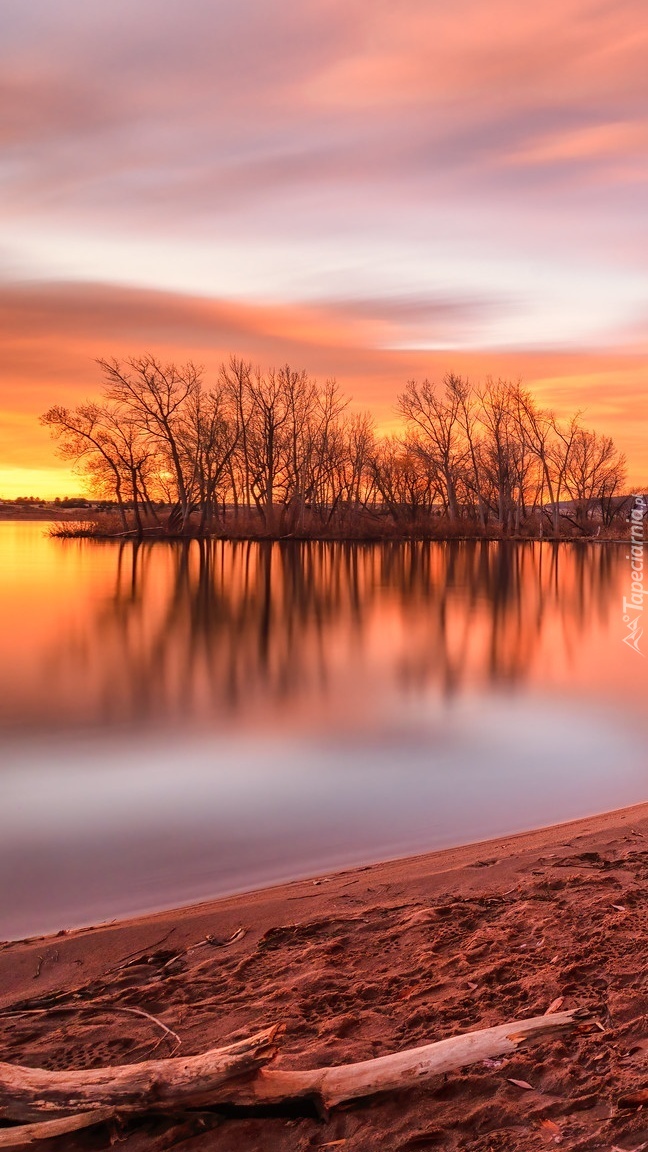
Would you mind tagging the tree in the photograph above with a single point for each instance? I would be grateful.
(439, 439)
(504, 459)
(268, 441)
(595, 472)
(155, 397)
(354, 481)
(278, 442)
(85, 438)
(208, 441)
(406, 488)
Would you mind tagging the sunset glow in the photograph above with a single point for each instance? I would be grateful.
(370, 192)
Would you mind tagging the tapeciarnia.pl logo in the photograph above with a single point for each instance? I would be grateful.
(634, 605)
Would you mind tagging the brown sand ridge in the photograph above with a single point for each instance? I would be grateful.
(368, 962)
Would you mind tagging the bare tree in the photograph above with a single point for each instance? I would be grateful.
(321, 449)
(468, 418)
(355, 480)
(85, 441)
(155, 395)
(278, 442)
(209, 439)
(439, 440)
(594, 474)
(268, 441)
(235, 379)
(502, 451)
(406, 488)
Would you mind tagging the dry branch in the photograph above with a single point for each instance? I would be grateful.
(414, 1066)
(28, 1094)
(236, 1075)
(25, 1134)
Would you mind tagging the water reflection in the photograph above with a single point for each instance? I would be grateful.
(209, 632)
(182, 721)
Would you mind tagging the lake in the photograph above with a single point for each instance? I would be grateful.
(180, 721)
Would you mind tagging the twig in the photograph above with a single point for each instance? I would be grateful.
(95, 1010)
(141, 951)
(154, 1019)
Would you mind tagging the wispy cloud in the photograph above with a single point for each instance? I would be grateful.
(360, 177)
(245, 98)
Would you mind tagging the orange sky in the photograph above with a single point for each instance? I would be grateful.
(50, 335)
(371, 191)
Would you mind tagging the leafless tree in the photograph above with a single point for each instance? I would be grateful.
(434, 419)
(235, 380)
(504, 461)
(407, 488)
(289, 452)
(594, 475)
(156, 396)
(208, 441)
(85, 439)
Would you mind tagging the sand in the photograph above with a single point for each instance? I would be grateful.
(367, 962)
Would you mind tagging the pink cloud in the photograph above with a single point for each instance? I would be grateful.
(228, 102)
(454, 161)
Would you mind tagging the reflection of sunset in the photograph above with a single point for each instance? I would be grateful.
(213, 633)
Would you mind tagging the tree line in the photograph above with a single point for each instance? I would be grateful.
(276, 452)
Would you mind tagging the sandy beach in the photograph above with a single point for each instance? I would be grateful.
(367, 962)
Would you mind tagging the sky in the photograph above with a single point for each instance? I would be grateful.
(371, 191)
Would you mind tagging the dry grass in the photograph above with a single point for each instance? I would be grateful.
(361, 525)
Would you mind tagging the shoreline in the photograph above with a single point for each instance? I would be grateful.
(156, 536)
(436, 862)
(365, 962)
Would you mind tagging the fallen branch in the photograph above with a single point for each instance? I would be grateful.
(414, 1066)
(23, 1135)
(236, 1075)
(28, 1094)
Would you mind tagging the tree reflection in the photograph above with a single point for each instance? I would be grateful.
(203, 631)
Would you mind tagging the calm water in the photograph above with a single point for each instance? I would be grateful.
(178, 722)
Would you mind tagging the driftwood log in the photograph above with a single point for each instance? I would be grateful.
(414, 1066)
(236, 1075)
(180, 1082)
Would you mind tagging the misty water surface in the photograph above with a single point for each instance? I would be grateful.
(184, 720)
